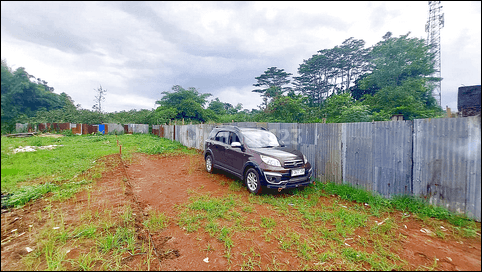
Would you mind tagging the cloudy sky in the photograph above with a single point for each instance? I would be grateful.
(137, 50)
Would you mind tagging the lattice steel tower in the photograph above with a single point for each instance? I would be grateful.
(434, 23)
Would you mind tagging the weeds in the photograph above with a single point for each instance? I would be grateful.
(156, 222)
(403, 203)
(209, 247)
(86, 262)
(27, 193)
(267, 222)
(224, 236)
(212, 228)
(236, 186)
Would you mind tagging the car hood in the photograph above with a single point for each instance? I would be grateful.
(281, 153)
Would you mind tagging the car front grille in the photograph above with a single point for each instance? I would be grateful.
(293, 163)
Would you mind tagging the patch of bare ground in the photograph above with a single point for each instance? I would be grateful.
(166, 183)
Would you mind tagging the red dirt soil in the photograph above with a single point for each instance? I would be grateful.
(156, 182)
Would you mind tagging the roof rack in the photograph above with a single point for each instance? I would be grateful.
(221, 126)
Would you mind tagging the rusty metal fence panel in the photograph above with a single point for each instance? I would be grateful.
(155, 130)
(167, 129)
(76, 129)
(163, 131)
(446, 163)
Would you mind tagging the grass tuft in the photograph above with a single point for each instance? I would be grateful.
(156, 222)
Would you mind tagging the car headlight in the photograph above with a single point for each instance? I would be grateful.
(270, 161)
(304, 159)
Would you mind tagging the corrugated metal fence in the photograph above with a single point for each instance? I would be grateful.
(84, 128)
(439, 159)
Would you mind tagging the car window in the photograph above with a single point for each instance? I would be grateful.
(260, 138)
(212, 134)
(233, 137)
(222, 136)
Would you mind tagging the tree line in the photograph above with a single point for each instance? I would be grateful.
(346, 83)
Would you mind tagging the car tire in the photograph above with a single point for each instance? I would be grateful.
(209, 164)
(252, 181)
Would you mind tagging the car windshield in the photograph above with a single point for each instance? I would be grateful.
(260, 138)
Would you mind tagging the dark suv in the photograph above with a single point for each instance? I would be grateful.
(257, 157)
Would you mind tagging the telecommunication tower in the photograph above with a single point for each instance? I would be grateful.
(434, 23)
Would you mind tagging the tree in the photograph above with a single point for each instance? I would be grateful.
(358, 93)
(289, 109)
(163, 115)
(400, 81)
(99, 98)
(342, 108)
(412, 99)
(221, 108)
(334, 105)
(179, 94)
(21, 98)
(230, 109)
(395, 59)
(320, 74)
(314, 79)
(217, 106)
(353, 61)
(271, 83)
(188, 104)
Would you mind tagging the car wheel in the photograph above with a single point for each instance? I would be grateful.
(252, 181)
(209, 164)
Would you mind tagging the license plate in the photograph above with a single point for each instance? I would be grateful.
(297, 172)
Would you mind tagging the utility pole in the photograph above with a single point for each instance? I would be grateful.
(434, 23)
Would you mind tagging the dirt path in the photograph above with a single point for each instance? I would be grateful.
(162, 183)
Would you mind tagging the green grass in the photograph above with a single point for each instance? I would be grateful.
(267, 222)
(29, 175)
(412, 204)
(156, 221)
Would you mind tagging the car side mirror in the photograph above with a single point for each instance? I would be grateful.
(282, 143)
(236, 144)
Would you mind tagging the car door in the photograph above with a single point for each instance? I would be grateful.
(234, 156)
(218, 148)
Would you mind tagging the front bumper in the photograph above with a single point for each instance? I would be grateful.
(278, 180)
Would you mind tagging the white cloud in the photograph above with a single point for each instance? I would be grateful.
(234, 95)
(115, 102)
